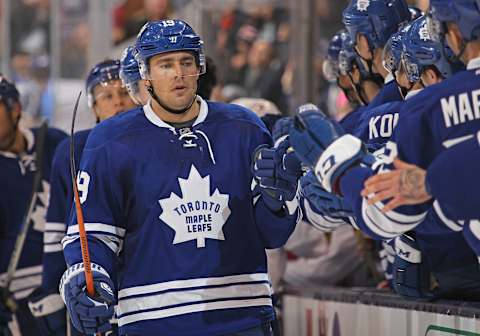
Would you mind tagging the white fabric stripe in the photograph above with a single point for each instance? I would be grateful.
(52, 248)
(189, 283)
(23, 294)
(385, 225)
(456, 141)
(192, 296)
(98, 227)
(113, 243)
(22, 283)
(55, 226)
(52, 237)
(448, 222)
(32, 270)
(47, 305)
(475, 230)
(200, 307)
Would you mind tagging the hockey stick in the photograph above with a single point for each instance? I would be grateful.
(78, 209)
(5, 294)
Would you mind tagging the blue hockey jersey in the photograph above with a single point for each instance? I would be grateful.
(61, 199)
(174, 212)
(17, 176)
(457, 195)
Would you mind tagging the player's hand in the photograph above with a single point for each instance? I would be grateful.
(49, 311)
(323, 145)
(88, 315)
(411, 275)
(322, 201)
(404, 186)
(277, 171)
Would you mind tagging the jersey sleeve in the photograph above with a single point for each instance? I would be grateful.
(101, 195)
(452, 180)
(274, 228)
(56, 227)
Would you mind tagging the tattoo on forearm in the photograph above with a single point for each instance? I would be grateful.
(412, 183)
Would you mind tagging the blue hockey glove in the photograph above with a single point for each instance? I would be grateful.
(281, 129)
(411, 276)
(323, 146)
(326, 203)
(88, 315)
(49, 311)
(277, 171)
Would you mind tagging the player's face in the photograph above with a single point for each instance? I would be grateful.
(7, 125)
(453, 37)
(174, 78)
(111, 99)
(346, 85)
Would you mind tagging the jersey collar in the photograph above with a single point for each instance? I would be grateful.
(29, 137)
(155, 119)
(412, 93)
(388, 78)
(474, 64)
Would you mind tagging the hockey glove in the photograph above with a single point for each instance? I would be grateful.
(322, 145)
(49, 311)
(88, 315)
(326, 203)
(277, 171)
(281, 129)
(411, 276)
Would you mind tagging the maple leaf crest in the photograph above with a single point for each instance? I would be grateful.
(195, 215)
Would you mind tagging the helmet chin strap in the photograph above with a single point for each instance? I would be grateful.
(165, 107)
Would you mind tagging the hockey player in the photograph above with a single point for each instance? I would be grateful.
(18, 162)
(107, 97)
(459, 21)
(370, 24)
(130, 76)
(451, 274)
(173, 226)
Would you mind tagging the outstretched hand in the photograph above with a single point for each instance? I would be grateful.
(403, 186)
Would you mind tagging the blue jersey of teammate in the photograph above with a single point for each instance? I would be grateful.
(454, 194)
(61, 199)
(190, 190)
(18, 172)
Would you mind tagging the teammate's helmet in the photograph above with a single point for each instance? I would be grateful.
(330, 65)
(392, 51)
(415, 12)
(420, 52)
(465, 13)
(164, 36)
(129, 70)
(377, 20)
(102, 73)
(8, 93)
(348, 57)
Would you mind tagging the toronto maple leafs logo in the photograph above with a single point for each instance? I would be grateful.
(196, 215)
(362, 5)
(423, 33)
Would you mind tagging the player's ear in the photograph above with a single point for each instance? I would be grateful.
(430, 77)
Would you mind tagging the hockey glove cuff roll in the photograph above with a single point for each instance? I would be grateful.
(89, 315)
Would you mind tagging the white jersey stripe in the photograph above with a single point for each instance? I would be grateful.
(189, 283)
(99, 227)
(198, 307)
